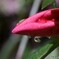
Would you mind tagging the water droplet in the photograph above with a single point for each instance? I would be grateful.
(37, 39)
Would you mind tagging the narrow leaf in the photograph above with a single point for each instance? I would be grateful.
(42, 51)
(46, 3)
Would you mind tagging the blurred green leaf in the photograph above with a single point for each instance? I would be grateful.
(46, 3)
(36, 53)
(27, 52)
(55, 43)
(54, 5)
(24, 12)
(42, 51)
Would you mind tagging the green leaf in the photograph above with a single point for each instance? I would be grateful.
(55, 43)
(54, 5)
(38, 53)
(27, 52)
(46, 3)
(42, 51)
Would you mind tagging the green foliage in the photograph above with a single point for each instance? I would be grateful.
(46, 3)
(38, 53)
(42, 51)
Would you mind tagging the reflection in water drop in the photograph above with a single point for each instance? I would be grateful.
(37, 39)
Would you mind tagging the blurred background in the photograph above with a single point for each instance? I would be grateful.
(14, 46)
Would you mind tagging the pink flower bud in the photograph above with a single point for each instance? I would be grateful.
(45, 23)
